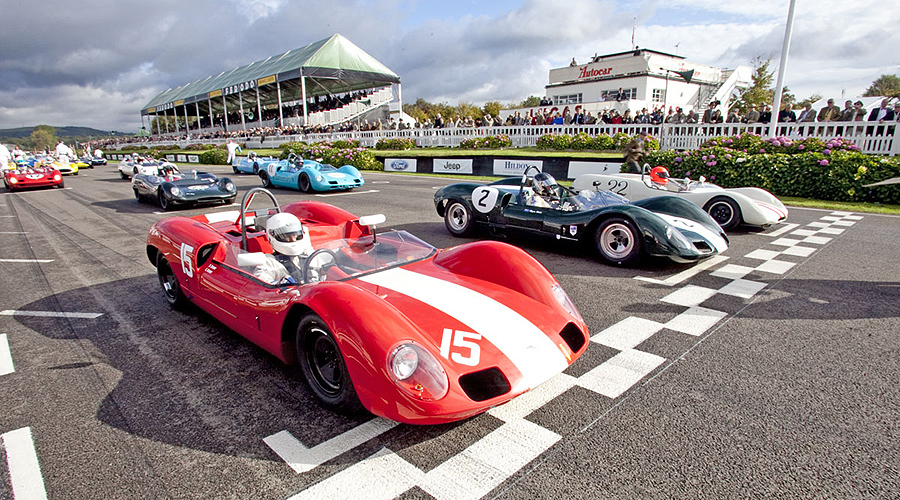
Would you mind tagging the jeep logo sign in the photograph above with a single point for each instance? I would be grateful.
(455, 166)
(400, 165)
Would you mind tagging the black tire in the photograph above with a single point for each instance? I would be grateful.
(123, 175)
(264, 177)
(169, 282)
(458, 218)
(62, 184)
(323, 367)
(137, 196)
(617, 241)
(233, 167)
(255, 169)
(303, 183)
(163, 201)
(724, 211)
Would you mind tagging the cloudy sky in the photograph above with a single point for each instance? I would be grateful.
(96, 63)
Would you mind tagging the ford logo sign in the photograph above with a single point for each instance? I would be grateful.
(399, 165)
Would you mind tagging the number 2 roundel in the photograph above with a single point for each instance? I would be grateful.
(484, 198)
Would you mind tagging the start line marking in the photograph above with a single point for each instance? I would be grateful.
(51, 314)
(24, 469)
(40, 261)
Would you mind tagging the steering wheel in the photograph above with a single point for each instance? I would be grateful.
(319, 269)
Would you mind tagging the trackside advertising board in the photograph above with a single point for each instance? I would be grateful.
(399, 165)
(455, 166)
(508, 168)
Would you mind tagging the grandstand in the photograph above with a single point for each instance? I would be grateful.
(324, 83)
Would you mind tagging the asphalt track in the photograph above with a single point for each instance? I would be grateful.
(769, 373)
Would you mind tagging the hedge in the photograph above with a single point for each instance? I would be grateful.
(833, 170)
(488, 142)
(338, 153)
(583, 141)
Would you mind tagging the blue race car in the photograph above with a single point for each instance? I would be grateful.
(309, 175)
(252, 163)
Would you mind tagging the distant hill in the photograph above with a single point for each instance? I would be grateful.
(61, 132)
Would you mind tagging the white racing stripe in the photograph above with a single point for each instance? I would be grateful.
(6, 362)
(533, 353)
(678, 222)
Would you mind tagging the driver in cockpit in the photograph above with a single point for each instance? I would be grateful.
(290, 241)
(659, 178)
(544, 191)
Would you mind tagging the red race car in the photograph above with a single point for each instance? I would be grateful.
(381, 321)
(32, 177)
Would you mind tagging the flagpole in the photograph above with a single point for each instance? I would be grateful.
(782, 69)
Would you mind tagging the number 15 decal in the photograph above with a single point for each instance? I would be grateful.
(466, 352)
(484, 198)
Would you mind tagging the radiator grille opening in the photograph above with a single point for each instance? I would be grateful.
(573, 336)
(484, 384)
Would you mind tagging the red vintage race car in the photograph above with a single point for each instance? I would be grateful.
(382, 321)
(32, 177)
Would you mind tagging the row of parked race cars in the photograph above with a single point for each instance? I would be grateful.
(36, 171)
(382, 321)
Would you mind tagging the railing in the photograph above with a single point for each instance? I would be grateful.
(870, 137)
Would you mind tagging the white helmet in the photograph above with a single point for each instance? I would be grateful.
(285, 233)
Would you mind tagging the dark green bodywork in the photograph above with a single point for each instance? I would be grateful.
(511, 214)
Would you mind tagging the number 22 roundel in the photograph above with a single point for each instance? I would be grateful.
(484, 198)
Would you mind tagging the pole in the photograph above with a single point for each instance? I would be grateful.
(303, 96)
(782, 69)
(280, 111)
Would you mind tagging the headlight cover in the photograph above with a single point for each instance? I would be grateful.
(563, 298)
(677, 238)
(417, 372)
(319, 178)
(175, 191)
(229, 186)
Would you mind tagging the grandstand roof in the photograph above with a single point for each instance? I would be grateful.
(334, 65)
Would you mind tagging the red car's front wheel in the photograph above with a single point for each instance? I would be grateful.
(323, 366)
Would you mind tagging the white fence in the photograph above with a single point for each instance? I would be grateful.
(871, 138)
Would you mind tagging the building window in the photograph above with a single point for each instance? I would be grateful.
(613, 95)
(659, 95)
(567, 99)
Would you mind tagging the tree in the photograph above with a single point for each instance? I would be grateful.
(760, 91)
(810, 100)
(885, 85)
(43, 137)
(531, 102)
(491, 108)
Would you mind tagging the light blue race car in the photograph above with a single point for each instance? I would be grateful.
(252, 163)
(309, 175)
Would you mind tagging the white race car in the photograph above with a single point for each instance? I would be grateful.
(729, 207)
(141, 165)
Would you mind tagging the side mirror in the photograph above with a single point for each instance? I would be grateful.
(251, 259)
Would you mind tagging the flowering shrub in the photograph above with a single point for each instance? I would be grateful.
(327, 152)
(584, 141)
(751, 143)
(489, 142)
(838, 175)
(214, 156)
(396, 144)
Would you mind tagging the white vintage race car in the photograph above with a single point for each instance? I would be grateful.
(729, 207)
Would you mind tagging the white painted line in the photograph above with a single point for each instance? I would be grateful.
(13, 232)
(620, 372)
(51, 314)
(854, 217)
(844, 223)
(8, 216)
(687, 273)
(775, 267)
(303, 459)
(35, 191)
(383, 476)
(805, 232)
(828, 230)
(695, 321)
(628, 333)
(830, 218)
(474, 472)
(742, 288)
(841, 214)
(732, 271)
(347, 193)
(689, 296)
(785, 242)
(817, 240)
(380, 182)
(799, 251)
(39, 261)
(781, 230)
(523, 405)
(24, 469)
(6, 363)
(762, 254)
(819, 224)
